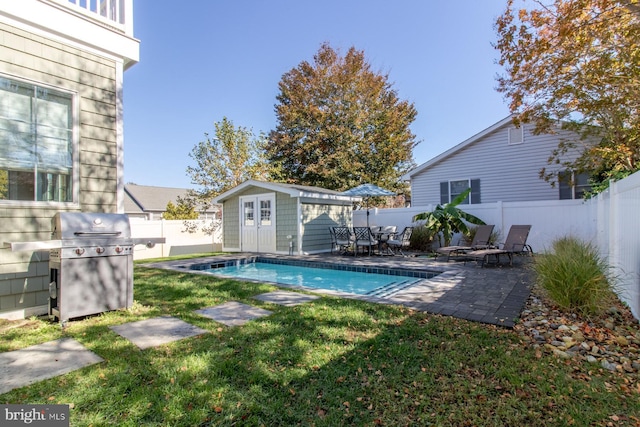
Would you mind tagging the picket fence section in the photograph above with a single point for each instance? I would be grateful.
(609, 221)
(182, 237)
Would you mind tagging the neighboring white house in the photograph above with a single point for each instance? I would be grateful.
(144, 202)
(501, 163)
(62, 67)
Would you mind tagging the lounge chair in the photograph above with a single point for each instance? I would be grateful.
(363, 238)
(480, 241)
(515, 243)
(399, 241)
(341, 239)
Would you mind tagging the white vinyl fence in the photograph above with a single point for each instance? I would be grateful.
(609, 221)
(182, 237)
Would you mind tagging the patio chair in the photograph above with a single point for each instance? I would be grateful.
(399, 241)
(515, 243)
(341, 239)
(480, 241)
(363, 238)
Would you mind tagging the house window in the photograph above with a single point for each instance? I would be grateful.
(36, 142)
(449, 190)
(573, 185)
(516, 135)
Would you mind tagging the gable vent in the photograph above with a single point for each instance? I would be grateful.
(516, 135)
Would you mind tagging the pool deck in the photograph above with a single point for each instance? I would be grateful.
(494, 294)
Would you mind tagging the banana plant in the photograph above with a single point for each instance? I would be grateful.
(446, 220)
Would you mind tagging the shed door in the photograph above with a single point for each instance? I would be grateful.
(258, 223)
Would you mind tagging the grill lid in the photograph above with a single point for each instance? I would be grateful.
(83, 225)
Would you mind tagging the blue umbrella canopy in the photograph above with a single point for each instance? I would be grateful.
(366, 191)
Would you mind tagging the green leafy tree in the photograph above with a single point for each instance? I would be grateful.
(231, 157)
(576, 62)
(184, 209)
(340, 124)
(446, 220)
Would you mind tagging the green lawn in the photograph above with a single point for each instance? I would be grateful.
(330, 362)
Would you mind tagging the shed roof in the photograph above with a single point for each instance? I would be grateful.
(293, 190)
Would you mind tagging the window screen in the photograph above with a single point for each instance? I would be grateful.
(36, 143)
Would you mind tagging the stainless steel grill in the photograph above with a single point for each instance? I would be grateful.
(90, 263)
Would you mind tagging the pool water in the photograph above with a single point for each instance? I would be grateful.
(353, 282)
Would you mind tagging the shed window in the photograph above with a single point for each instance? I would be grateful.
(249, 218)
(265, 212)
(449, 190)
(516, 135)
(36, 142)
(573, 185)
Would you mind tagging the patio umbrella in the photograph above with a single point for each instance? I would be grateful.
(367, 191)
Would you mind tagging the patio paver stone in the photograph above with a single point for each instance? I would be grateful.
(288, 299)
(233, 313)
(43, 361)
(157, 331)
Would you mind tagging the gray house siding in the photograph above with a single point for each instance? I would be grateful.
(24, 276)
(506, 172)
(286, 221)
(316, 220)
(231, 224)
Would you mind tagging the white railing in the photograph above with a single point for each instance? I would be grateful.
(118, 13)
(609, 221)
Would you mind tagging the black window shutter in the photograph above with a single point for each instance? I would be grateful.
(444, 193)
(475, 191)
(564, 185)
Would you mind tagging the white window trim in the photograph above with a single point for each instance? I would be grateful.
(451, 197)
(75, 171)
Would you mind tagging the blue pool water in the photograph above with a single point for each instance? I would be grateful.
(353, 282)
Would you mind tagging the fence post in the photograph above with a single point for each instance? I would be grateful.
(614, 229)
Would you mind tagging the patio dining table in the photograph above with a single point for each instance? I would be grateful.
(382, 235)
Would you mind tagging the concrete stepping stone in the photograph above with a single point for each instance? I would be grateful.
(43, 361)
(233, 313)
(286, 298)
(157, 331)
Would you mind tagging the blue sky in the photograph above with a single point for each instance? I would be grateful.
(202, 60)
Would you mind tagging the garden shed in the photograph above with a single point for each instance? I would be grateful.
(268, 217)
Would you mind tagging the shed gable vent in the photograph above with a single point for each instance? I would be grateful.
(516, 135)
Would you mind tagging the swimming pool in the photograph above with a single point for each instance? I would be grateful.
(372, 281)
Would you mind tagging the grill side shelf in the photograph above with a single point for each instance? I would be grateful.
(43, 245)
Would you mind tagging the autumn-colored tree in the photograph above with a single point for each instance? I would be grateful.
(339, 124)
(183, 209)
(231, 157)
(577, 62)
(4, 184)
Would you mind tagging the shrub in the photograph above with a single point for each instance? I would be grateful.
(421, 238)
(575, 276)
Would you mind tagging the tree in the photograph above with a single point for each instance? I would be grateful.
(233, 156)
(184, 209)
(339, 124)
(446, 220)
(577, 62)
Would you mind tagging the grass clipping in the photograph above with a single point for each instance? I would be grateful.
(576, 277)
